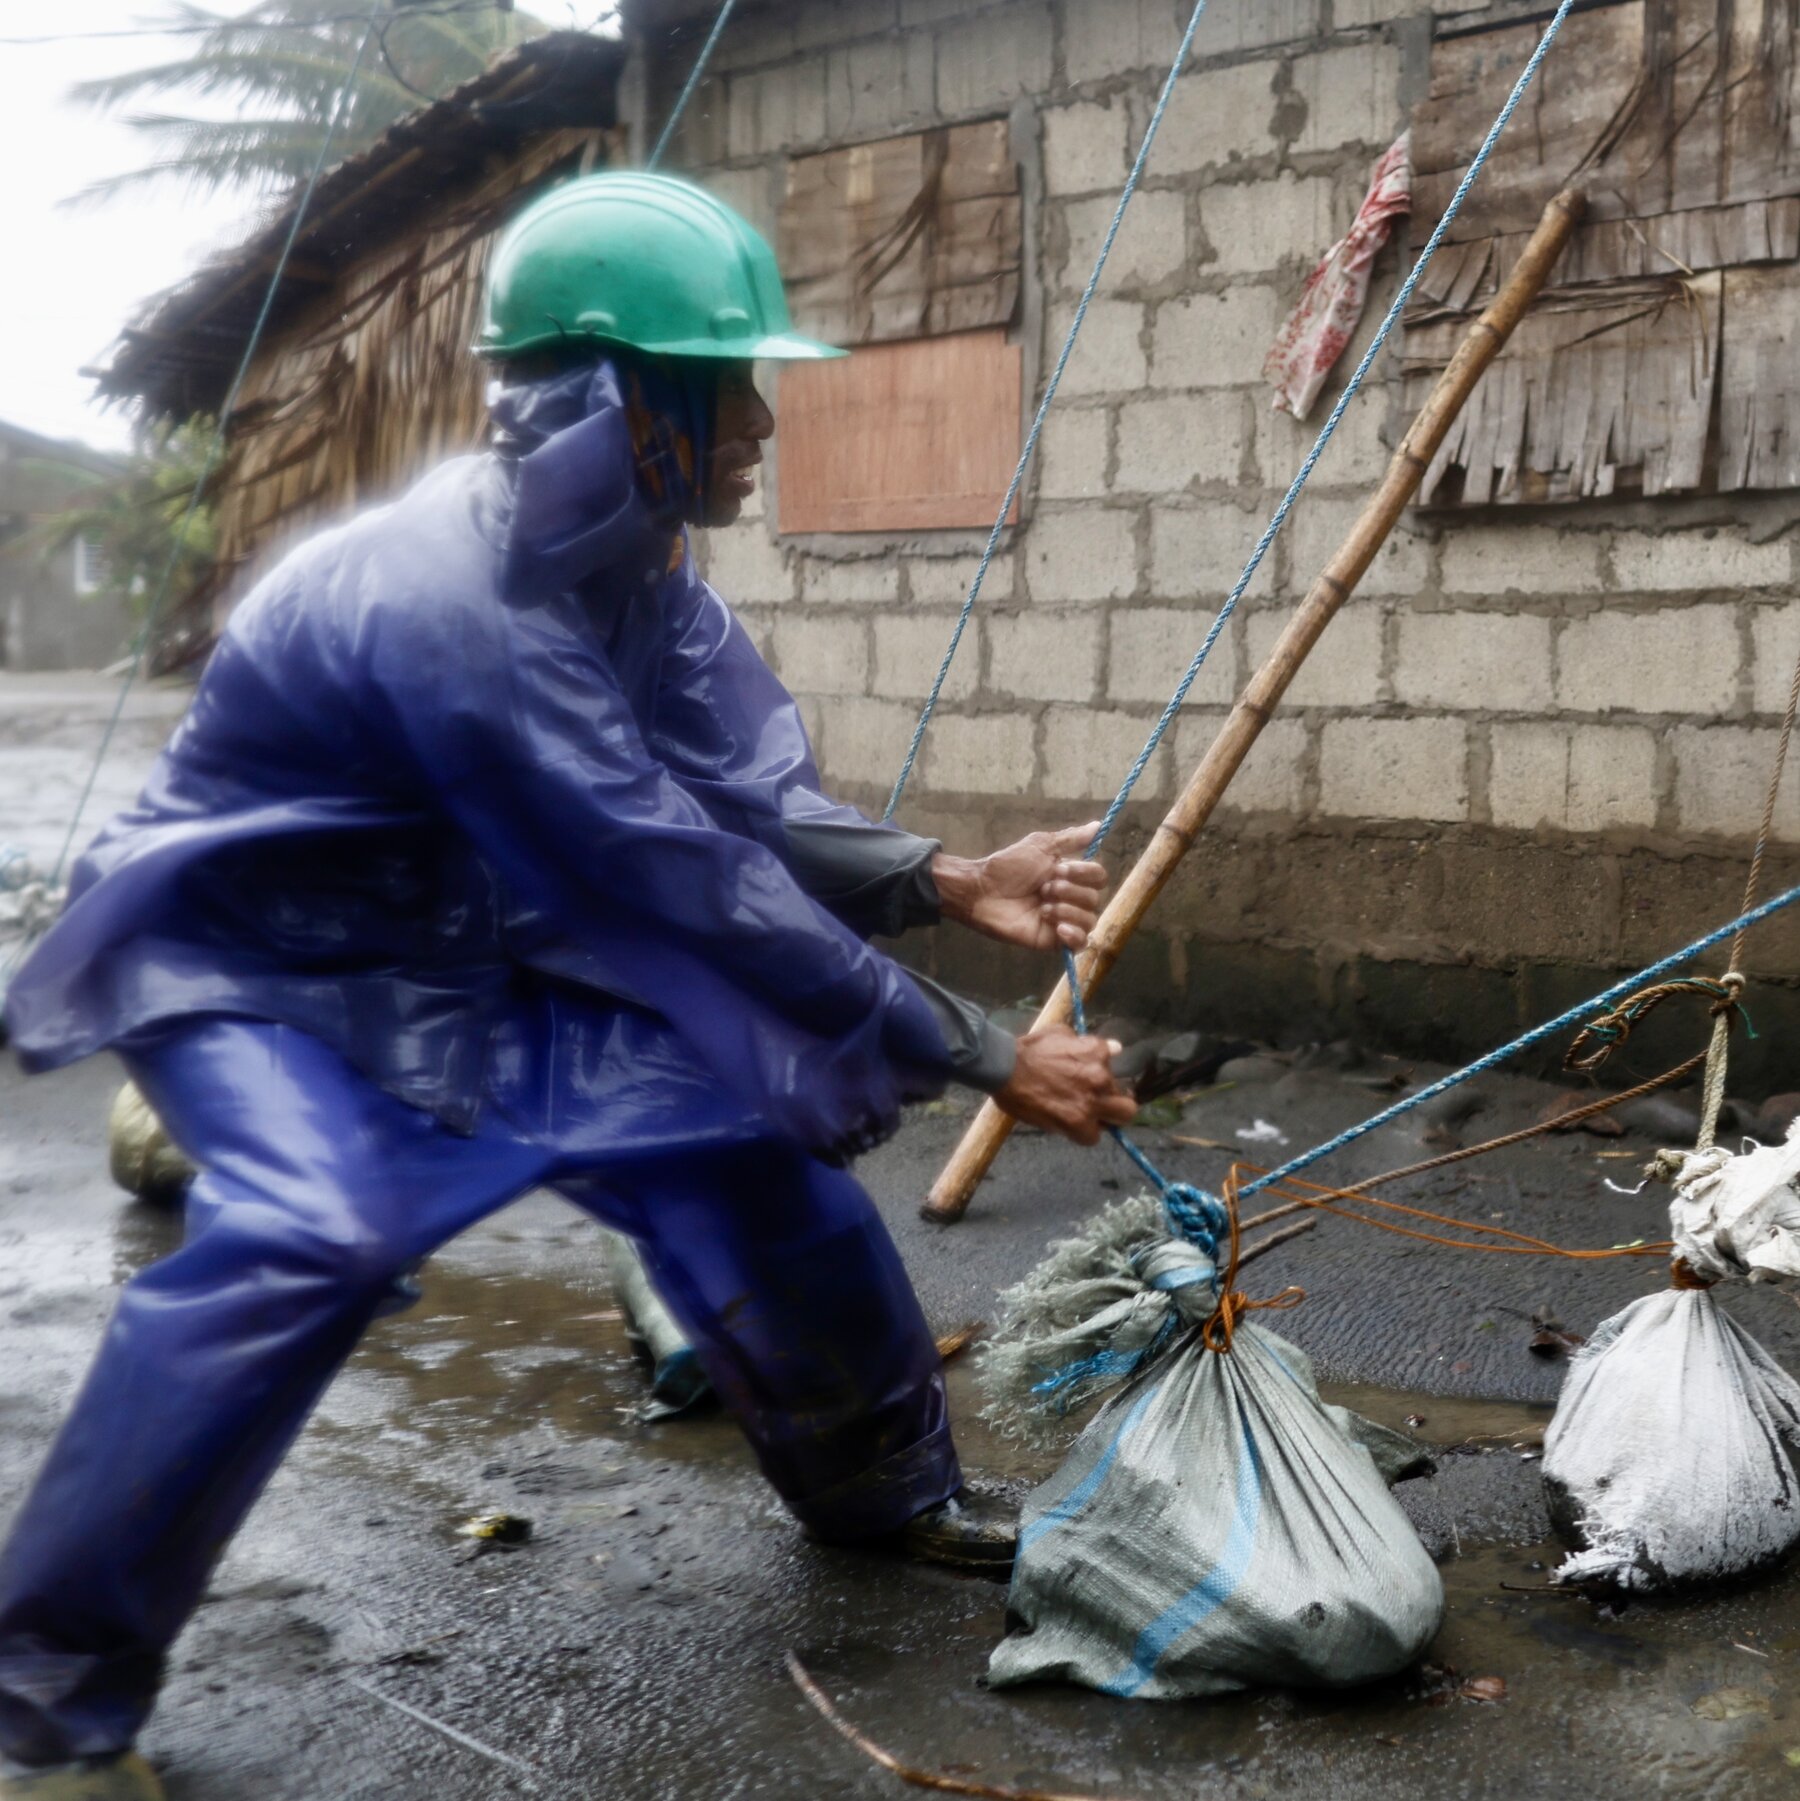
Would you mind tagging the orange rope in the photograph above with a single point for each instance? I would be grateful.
(1599, 1038)
(1218, 1331)
(1517, 1244)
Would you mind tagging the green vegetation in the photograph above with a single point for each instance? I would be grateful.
(278, 67)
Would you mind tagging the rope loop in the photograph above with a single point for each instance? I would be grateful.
(1599, 1038)
(1218, 1331)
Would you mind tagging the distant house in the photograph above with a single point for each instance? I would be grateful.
(54, 610)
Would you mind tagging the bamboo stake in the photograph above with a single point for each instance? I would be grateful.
(951, 1193)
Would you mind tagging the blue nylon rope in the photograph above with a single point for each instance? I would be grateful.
(1037, 424)
(211, 461)
(1182, 1206)
(1575, 1016)
(693, 81)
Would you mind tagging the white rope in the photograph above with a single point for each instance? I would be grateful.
(1718, 1053)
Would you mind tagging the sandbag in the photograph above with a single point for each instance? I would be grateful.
(143, 1159)
(677, 1382)
(1671, 1456)
(1094, 1310)
(1215, 1526)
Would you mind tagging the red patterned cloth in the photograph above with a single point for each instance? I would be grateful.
(1314, 335)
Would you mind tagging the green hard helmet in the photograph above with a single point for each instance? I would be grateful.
(640, 260)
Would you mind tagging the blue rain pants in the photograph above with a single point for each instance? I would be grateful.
(320, 1193)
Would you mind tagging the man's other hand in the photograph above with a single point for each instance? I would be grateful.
(1064, 1083)
(1037, 893)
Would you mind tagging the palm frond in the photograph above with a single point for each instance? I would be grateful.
(294, 73)
(280, 65)
(273, 168)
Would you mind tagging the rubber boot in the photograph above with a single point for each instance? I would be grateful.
(126, 1778)
(976, 1529)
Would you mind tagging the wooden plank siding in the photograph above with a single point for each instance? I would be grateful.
(910, 250)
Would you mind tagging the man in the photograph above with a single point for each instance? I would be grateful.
(490, 855)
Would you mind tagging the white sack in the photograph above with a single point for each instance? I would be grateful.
(1671, 1455)
(1214, 1527)
(1740, 1216)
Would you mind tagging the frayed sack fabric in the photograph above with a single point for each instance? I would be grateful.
(142, 1157)
(1216, 1526)
(1671, 1458)
(1738, 1215)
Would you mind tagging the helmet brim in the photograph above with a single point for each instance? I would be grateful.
(794, 347)
(775, 347)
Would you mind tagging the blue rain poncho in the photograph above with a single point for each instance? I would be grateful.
(487, 789)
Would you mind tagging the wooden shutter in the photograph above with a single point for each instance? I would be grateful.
(900, 437)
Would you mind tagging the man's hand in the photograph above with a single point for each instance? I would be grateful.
(1064, 1083)
(1038, 892)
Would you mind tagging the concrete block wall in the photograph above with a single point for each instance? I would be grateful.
(1565, 715)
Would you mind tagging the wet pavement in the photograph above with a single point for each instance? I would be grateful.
(353, 1646)
(50, 727)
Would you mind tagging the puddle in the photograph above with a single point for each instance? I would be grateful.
(1444, 1419)
(1679, 1698)
(484, 1357)
(484, 1354)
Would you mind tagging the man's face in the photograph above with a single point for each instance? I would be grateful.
(741, 425)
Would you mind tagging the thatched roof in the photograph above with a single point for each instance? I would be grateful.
(179, 356)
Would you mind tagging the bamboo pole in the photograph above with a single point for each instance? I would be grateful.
(951, 1193)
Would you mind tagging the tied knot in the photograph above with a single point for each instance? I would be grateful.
(1686, 1279)
(1218, 1331)
(1599, 1038)
(1196, 1215)
(1182, 1271)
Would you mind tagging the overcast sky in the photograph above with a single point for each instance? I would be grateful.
(74, 276)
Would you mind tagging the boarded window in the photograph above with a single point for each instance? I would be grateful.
(909, 250)
(1658, 361)
(905, 238)
(900, 437)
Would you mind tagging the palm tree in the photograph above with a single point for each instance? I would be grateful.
(281, 64)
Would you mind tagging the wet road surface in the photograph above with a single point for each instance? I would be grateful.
(634, 1647)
